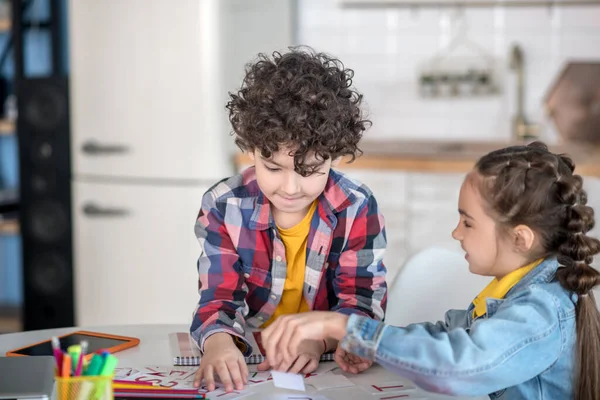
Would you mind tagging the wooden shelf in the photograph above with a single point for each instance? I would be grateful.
(9, 227)
(457, 157)
(464, 3)
(7, 127)
(5, 25)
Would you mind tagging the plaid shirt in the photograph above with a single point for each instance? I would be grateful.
(242, 268)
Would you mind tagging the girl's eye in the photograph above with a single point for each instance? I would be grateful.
(466, 224)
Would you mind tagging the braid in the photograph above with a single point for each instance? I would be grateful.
(531, 186)
(576, 251)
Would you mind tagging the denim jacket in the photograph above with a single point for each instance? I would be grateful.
(523, 348)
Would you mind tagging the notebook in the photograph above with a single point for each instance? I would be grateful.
(30, 378)
(186, 352)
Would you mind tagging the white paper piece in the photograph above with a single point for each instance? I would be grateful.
(400, 396)
(286, 380)
(329, 381)
(324, 367)
(381, 388)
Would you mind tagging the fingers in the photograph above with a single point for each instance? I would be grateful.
(235, 374)
(345, 361)
(339, 359)
(311, 366)
(301, 362)
(364, 366)
(223, 372)
(360, 363)
(244, 371)
(198, 376)
(209, 378)
(290, 340)
(351, 363)
(271, 338)
(283, 366)
(264, 366)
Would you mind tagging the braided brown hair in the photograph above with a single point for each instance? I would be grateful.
(529, 185)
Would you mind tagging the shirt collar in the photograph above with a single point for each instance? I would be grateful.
(497, 289)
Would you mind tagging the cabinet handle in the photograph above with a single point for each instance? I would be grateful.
(92, 210)
(94, 148)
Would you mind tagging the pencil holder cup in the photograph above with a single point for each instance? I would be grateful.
(84, 388)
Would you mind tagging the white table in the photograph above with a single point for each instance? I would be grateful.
(154, 351)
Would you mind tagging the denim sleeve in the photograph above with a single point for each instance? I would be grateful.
(452, 319)
(516, 344)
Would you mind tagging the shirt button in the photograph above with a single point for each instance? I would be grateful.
(246, 275)
(278, 258)
(274, 297)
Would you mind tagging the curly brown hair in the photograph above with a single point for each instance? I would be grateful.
(529, 185)
(302, 101)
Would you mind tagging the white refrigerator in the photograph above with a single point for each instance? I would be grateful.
(148, 85)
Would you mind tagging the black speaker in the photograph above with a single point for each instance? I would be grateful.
(45, 210)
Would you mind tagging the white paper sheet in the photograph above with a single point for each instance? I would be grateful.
(286, 380)
(329, 381)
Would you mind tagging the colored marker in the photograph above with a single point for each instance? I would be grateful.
(84, 362)
(66, 366)
(95, 365)
(110, 363)
(58, 354)
(75, 353)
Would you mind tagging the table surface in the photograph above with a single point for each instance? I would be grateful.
(154, 350)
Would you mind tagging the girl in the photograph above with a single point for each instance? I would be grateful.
(534, 331)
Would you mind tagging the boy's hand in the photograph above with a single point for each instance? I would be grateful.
(310, 352)
(349, 362)
(222, 356)
(283, 338)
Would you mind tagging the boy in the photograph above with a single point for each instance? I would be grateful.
(290, 234)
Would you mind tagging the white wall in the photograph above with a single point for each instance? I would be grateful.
(386, 47)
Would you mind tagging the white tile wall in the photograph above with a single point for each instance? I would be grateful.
(386, 48)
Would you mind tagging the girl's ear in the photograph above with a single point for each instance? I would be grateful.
(251, 154)
(524, 238)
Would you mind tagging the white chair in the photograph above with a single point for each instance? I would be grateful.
(430, 283)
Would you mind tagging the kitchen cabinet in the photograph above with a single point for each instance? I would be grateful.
(136, 253)
(150, 134)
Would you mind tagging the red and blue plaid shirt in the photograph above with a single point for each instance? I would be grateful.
(242, 267)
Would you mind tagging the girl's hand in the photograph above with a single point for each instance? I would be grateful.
(222, 356)
(282, 339)
(349, 362)
(307, 361)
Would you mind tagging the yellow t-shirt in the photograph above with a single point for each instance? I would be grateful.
(497, 289)
(294, 240)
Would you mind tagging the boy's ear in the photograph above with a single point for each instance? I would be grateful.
(524, 238)
(251, 154)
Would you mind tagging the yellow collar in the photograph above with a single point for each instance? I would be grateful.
(497, 289)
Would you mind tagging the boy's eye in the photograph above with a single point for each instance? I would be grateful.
(315, 173)
(312, 171)
(272, 169)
